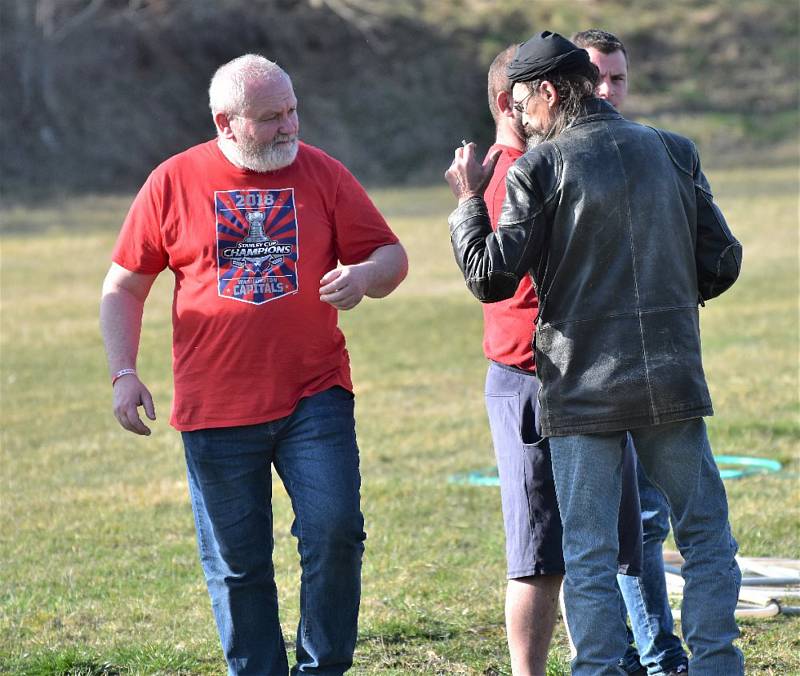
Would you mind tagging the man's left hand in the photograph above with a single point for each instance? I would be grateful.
(344, 287)
(466, 176)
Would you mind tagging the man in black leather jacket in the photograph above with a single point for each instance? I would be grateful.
(616, 224)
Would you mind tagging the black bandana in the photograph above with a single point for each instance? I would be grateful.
(546, 53)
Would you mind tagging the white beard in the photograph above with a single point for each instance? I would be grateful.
(262, 157)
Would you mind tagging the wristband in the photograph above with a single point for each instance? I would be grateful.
(120, 373)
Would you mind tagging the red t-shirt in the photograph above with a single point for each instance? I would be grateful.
(508, 325)
(250, 335)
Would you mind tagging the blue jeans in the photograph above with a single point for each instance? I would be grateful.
(646, 600)
(630, 660)
(315, 454)
(678, 460)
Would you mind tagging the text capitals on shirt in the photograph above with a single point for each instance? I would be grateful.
(264, 285)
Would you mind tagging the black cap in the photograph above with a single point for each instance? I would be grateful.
(547, 53)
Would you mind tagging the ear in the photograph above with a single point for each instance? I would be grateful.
(505, 103)
(549, 93)
(223, 124)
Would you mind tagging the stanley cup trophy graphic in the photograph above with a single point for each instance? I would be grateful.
(255, 236)
(256, 221)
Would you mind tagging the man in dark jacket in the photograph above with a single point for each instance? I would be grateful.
(658, 651)
(616, 225)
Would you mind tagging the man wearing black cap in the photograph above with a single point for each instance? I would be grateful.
(660, 652)
(532, 524)
(616, 225)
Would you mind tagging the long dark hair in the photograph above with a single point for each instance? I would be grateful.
(573, 89)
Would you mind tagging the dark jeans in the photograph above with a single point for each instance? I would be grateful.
(660, 650)
(677, 459)
(315, 454)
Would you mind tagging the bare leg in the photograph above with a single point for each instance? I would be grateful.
(572, 651)
(531, 608)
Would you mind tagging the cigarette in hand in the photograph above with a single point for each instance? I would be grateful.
(464, 142)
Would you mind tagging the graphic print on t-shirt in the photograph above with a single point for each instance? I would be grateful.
(256, 244)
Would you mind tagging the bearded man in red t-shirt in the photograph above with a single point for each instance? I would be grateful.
(267, 238)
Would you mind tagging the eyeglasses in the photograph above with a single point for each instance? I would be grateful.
(519, 106)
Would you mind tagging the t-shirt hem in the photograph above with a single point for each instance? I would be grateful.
(256, 419)
(516, 368)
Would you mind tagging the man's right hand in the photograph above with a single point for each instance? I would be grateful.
(129, 394)
(467, 176)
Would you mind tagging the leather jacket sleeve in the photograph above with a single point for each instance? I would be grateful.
(494, 262)
(718, 254)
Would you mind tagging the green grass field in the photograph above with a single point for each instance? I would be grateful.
(98, 567)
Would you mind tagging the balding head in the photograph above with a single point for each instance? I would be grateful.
(235, 82)
(498, 79)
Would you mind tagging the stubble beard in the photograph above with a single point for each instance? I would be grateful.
(519, 129)
(533, 136)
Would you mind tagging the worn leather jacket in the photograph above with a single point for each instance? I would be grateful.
(616, 224)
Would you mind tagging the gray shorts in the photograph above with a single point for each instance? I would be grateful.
(527, 490)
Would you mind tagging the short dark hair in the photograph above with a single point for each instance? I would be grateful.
(601, 40)
(498, 78)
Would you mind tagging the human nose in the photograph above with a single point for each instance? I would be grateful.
(603, 90)
(289, 124)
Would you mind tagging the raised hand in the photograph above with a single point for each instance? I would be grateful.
(468, 177)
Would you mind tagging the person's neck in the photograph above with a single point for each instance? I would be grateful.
(230, 152)
(506, 136)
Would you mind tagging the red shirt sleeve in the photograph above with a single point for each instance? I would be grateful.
(359, 228)
(140, 245)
